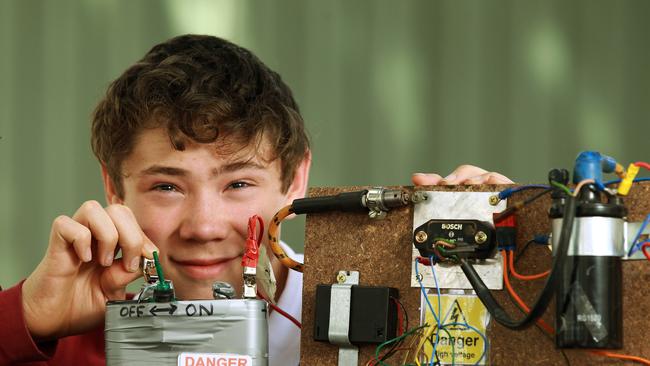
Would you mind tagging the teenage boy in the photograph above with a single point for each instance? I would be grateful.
(193, 139)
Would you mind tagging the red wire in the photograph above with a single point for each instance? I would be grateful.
(511, 262)
(642, 164)
(645, 246)
(400, 319)
(286, 315)
(279, 310)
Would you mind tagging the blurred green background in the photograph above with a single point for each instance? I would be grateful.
(387, 88)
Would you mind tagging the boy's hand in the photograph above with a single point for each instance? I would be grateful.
(464, 174)
(67, 293)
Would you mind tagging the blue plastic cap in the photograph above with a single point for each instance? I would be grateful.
(592, 165)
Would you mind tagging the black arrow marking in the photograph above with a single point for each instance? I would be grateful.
(154, 310)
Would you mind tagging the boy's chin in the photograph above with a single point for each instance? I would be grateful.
(201, 291)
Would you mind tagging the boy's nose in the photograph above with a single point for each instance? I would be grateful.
(204, 221)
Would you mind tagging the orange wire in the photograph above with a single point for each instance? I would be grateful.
(547, 328)
(550, 329)
(511, 262)
(622, 357)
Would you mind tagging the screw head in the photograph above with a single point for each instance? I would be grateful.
(340, 278)
(421, 237)
(494, 200)
(480, 237)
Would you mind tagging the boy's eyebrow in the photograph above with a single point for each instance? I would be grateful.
(237, 165)
(164, 170)
(180, 172)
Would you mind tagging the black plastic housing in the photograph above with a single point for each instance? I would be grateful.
(344, 202)
(599, 280)
(373, 316)
(462, 233)
(589, 294)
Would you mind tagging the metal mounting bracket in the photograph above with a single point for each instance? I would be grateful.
(339, 327)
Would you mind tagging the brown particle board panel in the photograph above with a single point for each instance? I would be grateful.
(381, 251)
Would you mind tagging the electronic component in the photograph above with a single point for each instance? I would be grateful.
(373, 316)
(589, 292)
(157, 329)
(160, 333)
(455, 238)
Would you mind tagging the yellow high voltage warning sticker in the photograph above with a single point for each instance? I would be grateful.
(461, 339)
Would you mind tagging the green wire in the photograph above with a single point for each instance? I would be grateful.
(453, 346)
(562, 187)
(378, 349)
(410, 332)
(162, 284)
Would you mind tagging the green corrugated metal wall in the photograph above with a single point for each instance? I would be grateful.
(386, 87)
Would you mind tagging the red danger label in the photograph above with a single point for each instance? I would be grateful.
(213, 359)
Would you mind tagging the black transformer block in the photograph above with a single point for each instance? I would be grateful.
(373, 315)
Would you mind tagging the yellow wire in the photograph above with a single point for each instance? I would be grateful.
(274, 240)
(421, 344)
(412, 343)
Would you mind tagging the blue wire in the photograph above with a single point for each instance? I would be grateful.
(485, 341)
(506, 193)
(435, 279)
(510, 191)
(424, 292)
(635, 246)
(615, 181)
(417, 277)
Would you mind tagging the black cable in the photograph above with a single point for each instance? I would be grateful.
(517, 205)
(521, 252)
(393, 349)
(548, 336)
(546, 294)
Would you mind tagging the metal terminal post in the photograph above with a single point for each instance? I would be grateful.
(419, 196)
(250, 283)
(222, 290)
(149, 270)
(494, 200)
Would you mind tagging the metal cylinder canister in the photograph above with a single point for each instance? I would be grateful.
(589, 292)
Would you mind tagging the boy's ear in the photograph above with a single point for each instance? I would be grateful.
(109, 188)
(298, 187)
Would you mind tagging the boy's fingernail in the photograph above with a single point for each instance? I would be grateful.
(108, 260)
(135, 264)
(88, 255)
(419, 174)
(150, 248)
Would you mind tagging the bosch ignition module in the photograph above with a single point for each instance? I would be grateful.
(461, 238)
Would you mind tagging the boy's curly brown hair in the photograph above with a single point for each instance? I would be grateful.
(199, 88)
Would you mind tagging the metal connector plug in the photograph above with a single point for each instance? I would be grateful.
(380, 200)
(250, 283)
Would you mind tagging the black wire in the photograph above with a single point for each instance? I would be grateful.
(548, 336)
(521, 252)
(518, 205)
(393, 349)
(546, 294)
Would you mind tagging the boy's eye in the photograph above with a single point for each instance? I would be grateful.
(164, 187)
(239, 185)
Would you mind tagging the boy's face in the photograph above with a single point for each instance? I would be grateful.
(195, 204)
